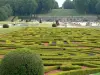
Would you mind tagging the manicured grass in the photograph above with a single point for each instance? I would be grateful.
(8, 30)
(46, 24)
(63, 12)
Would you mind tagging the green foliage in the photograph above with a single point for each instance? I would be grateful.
(44, 6)
(92, 6)
(86, 6)
(51, 68)
(77, 46)
(28, 7)
(54, 25)
(80, 72)
(97, 73)
(68, 4)
(56, 6)
(81, 5)
(21, 62)
(23, 7)
(5, 12)
(69, 67)
(5, 26)
(98, 7)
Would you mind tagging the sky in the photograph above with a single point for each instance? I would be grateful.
(60, 2)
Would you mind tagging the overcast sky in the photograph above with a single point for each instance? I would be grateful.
(60, 2)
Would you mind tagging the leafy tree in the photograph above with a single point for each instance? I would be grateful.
(56, 6)
(7, 9)
(2, 3)
(5, 12)
(26, 7)
(68, 4)
(29, 7)
(98, 7)
(2, 15)
(45, 6)
(22, 7)
(81, 5)
(86, 6)
(91, 6)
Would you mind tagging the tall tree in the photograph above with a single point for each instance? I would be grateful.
(3, 15)
(5, 12)
(81, 5)
(98, 7)
(56, 6)
(22, 7)
(68, 4)
(8, 10)
(91, 6)
(45, 6)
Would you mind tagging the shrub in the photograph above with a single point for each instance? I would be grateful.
(51, 68)
(69, 67)
(80, 72)
(5, 26)
(21, 62)
(54, 25)
(60, 54)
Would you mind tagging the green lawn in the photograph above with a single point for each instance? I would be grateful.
(8, 30)
(63, 12)
(11, 29)
(45, 24)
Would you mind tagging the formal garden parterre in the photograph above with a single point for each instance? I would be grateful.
(69, 50)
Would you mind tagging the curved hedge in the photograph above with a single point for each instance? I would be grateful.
(80, 72)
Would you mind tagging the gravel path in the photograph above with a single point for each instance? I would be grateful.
(1, 56)
(52, 72)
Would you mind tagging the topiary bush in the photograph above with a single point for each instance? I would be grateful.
(21, 62)
(69, 67)
(54, 25)
(5, 26)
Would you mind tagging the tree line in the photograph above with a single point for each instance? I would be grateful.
(5, 12)
(25, 7)
(83, 6)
